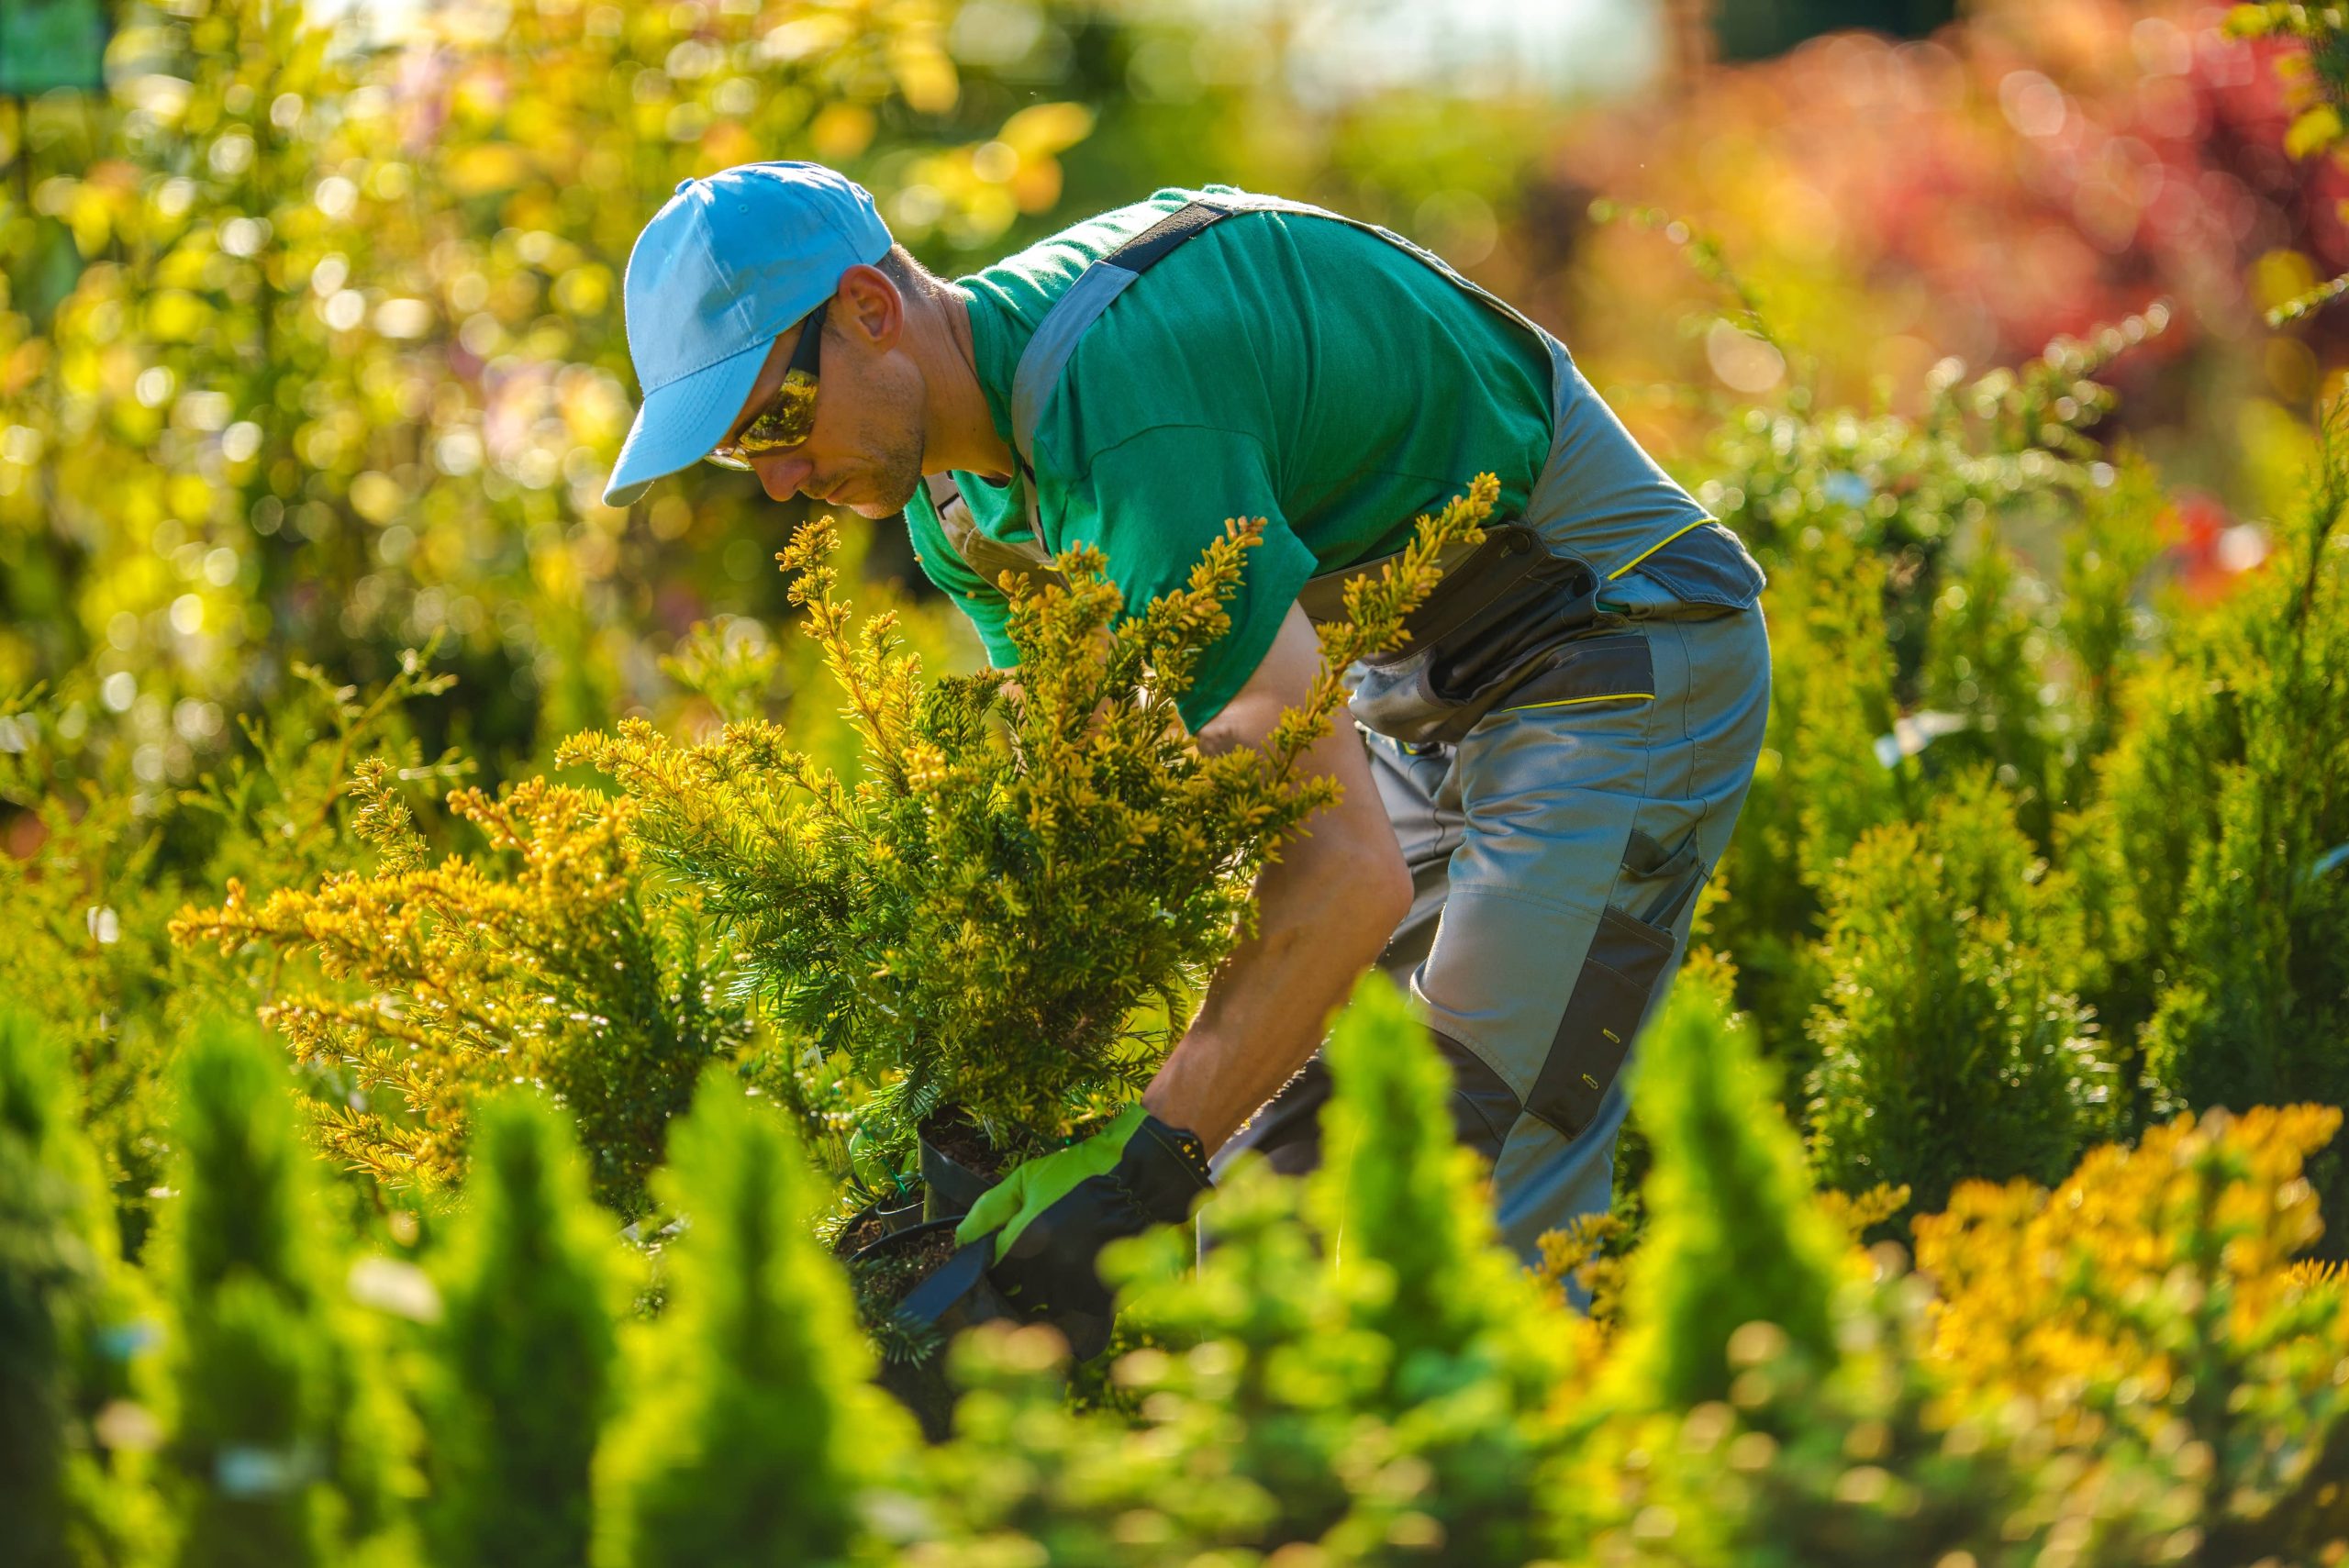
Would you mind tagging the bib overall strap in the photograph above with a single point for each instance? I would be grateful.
(983, 553)
(1055, 339)
(1047, 354)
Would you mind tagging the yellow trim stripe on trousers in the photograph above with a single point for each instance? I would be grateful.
(1572, 702)
(1653, 548)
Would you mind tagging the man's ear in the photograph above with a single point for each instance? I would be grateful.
(867, 305)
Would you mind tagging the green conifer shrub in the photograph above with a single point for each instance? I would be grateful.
(56, 1241)
(2213, 899)
(521, 1377)
(2257, 958)
(751, 1428)
(284, 1444)
(1356, 1363)
(1817, 785)
(1732, 1236)
(991, 916)
(1475, 1347)
(1947, 1047)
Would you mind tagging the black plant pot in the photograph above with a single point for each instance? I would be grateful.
(890, 1220)
(946, 1191)
(958, 1296)
(948, 1186)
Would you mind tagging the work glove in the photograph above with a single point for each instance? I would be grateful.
(1051, 1216)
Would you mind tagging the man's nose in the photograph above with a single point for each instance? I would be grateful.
(782, 474)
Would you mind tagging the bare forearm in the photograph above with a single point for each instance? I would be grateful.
(1322, 919)
(1323, 912)
(1263, 1014)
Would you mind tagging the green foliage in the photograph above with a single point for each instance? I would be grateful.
(1361, 1366)
(88, 909)
(2259, 984)
(2107, 552)
(1474, 1348)
(56, 1241)
(1406, 1216)
(1947, 1047)
(281, 1450)
(751, 1429)
(2209, 869)
(521, 1377)
(1732, 1237)
(1021, 880)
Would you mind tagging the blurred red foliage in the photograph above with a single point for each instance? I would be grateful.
(2040, 167)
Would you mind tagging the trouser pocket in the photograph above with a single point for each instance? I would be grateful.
(1502, 616)
(1631, 954)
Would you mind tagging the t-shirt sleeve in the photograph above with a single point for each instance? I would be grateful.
(982, 601)
(1159, 499)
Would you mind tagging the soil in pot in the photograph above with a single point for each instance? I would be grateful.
(872, 1222)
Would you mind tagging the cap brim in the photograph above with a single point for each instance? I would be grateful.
(680, 422)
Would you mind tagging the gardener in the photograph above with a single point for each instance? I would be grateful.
(1535, 787)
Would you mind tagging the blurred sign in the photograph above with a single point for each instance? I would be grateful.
(51, 43)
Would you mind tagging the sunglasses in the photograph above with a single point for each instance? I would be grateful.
(790, 413)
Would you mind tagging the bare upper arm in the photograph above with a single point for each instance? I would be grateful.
(1284, 679)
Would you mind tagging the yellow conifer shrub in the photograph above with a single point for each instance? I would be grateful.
(1005, 912)
(542, 962)
(2151, 1302)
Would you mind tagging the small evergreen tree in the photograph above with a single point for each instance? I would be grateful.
(1818, 785)
(282, 1445)
(1475, 1350)
(1402, 1202)
(56, 1236)
(1732, 1236)
(2213, 903)
(995, 914)
(2257, 957)
(1946, 1046)
(753, 1426)
(520, 1380)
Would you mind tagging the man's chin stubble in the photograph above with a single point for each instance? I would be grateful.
(896, 479)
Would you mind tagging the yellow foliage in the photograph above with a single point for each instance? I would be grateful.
(2153, 1298)
(469, 976)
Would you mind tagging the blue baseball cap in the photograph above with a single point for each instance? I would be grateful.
(723, 269)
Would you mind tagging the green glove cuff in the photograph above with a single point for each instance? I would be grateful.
(1034, 1185)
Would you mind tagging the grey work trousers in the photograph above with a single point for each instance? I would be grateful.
(1555, 853)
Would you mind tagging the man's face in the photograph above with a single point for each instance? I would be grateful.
(865, 450)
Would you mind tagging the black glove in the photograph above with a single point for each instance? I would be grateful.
(1137, 1174)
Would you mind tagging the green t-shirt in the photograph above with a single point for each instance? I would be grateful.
(1275, 365)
